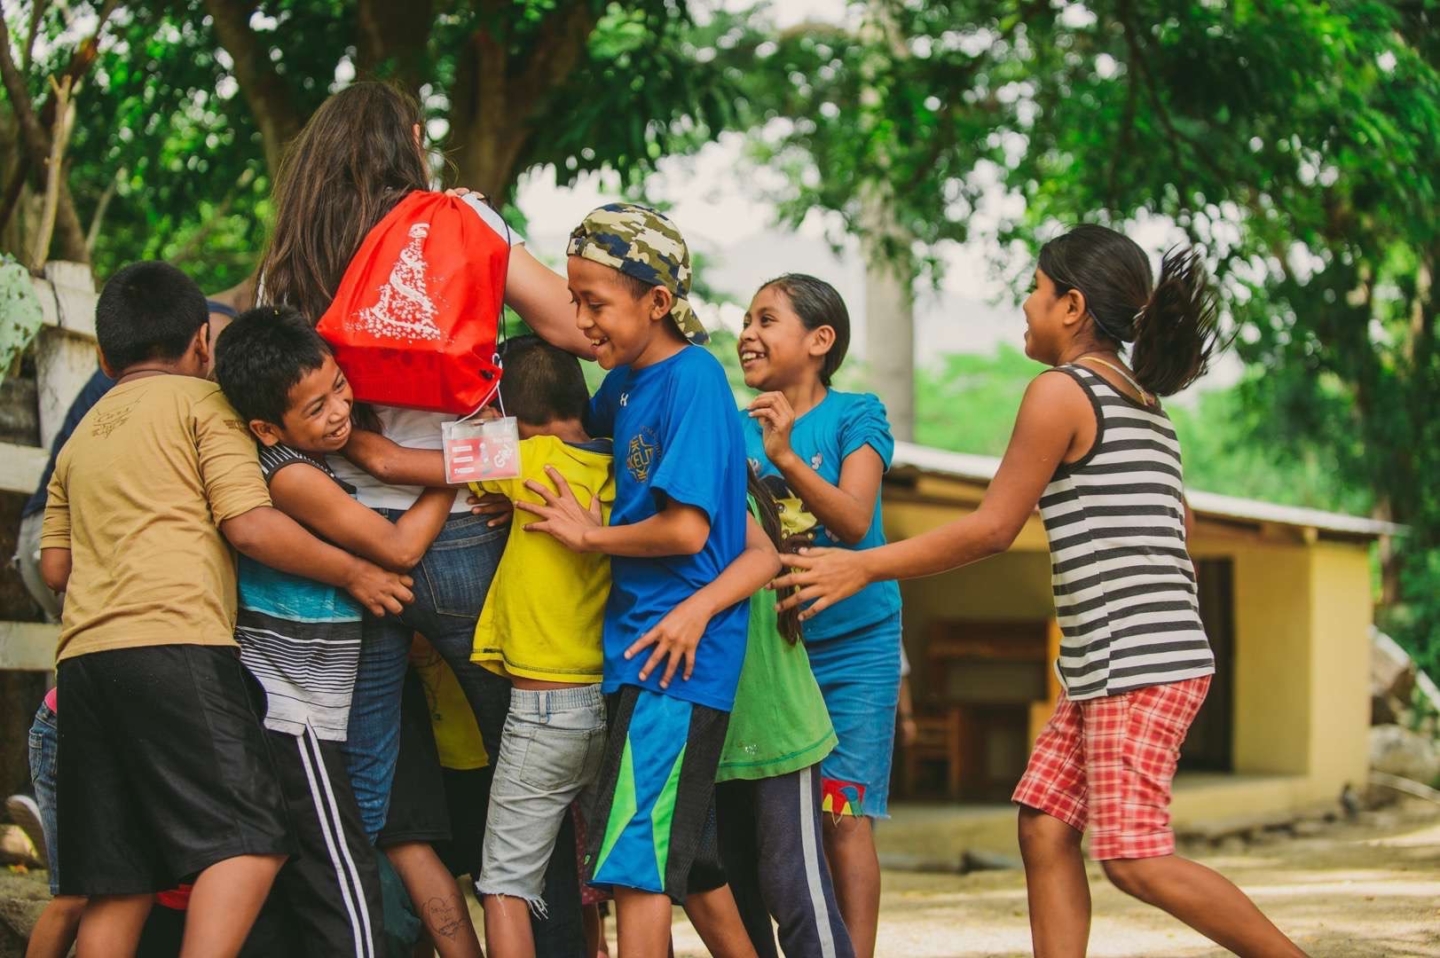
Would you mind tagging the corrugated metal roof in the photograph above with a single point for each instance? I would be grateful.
(960, 465)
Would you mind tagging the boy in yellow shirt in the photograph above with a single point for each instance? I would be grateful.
(541, 626)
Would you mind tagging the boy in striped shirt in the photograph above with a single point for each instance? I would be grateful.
(301, 638)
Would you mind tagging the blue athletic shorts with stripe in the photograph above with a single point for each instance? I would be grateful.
(656, 792)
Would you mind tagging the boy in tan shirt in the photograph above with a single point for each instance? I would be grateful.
(164, 772)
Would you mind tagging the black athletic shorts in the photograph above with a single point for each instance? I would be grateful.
(331, 889)
(418, 812)
(467, 793)
(164, 769)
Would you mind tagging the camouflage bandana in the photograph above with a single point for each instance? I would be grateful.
(642, 243)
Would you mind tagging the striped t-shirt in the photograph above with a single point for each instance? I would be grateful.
(1124, 585)
(298, 637)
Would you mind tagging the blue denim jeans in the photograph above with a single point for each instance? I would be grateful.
(450, 586)
(44, 743)
(451, 583)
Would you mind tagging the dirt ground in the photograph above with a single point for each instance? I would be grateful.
(1369, 890)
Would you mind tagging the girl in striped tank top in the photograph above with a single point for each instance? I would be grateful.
(1094, 450)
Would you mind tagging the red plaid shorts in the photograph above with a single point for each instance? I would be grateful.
(1108, 762)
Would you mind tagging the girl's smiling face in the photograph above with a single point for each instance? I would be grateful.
(775, 347)
(1050, 319)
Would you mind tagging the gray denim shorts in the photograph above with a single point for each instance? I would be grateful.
(550, 751)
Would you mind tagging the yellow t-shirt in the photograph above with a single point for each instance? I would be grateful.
(137, 497)
(544, 613)
(457, 736)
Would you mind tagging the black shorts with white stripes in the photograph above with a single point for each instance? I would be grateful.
(330, 890)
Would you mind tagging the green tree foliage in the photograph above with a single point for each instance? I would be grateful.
(1295, 141)
(187, 106)
(966, 402)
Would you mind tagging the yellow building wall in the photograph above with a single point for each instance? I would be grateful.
(1302, 609)
(1339, 667)
(1302, 668)
(1273, 721)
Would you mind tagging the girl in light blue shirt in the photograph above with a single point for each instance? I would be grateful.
(822, 453)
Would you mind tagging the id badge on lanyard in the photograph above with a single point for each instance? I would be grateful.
(477, 449)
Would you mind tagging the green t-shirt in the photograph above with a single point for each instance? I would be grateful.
(779, 724)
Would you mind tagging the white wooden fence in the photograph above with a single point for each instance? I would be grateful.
(65, 360)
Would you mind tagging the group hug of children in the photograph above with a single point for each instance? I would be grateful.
(678, 663)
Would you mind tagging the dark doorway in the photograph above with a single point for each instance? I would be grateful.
(1210, 745)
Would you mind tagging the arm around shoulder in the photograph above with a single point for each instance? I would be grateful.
(272, 538)
(312, 498)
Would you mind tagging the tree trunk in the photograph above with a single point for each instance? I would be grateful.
(488, 131)
(264, 89)
(32, 136)
(391, 40)
(495, 101)
(889, 310)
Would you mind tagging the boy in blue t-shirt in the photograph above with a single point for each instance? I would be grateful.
(678, 521)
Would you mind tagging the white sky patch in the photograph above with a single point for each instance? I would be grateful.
(1077, 16)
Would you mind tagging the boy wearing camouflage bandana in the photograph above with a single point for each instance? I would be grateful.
(678, 521)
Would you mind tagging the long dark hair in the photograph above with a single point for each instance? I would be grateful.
(818, 304)
(354, 160)
(769, 517)
(1173, 325)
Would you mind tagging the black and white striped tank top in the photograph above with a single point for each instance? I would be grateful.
(1124, 585)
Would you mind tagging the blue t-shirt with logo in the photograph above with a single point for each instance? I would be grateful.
(676, 438)
(839, 425)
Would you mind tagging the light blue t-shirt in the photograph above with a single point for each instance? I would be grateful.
(676, 438)
(841, 424)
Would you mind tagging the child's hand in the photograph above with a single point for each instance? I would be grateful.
(378, 590)
(822, 577)
(675, 638)
(561, 515)
(777, 418)
(492, 504)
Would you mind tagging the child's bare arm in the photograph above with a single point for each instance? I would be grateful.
(391, 462)
(268, 536)
(1049, 419)
(313, 499)
(55, 568)
(542, 298)
(677, 529)
(676, 636)
(846, 510)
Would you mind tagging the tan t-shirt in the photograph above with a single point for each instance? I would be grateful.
(137, 497)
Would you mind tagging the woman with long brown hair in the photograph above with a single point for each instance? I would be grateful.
(359, 155)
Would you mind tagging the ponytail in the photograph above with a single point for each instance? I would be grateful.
(1173, 326)
(769, 517)
(1175, 330)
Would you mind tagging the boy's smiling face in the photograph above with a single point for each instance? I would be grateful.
(317, 417)
(626, 329)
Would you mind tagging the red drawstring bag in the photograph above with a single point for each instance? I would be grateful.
(415, 320)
